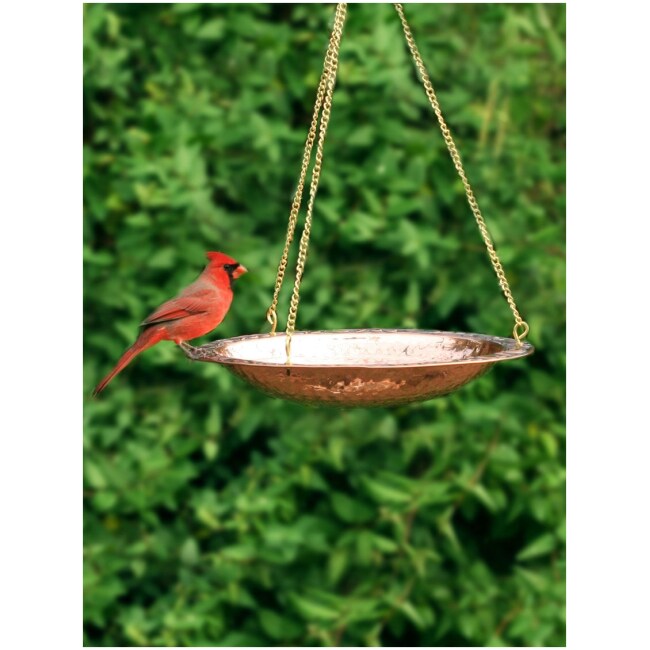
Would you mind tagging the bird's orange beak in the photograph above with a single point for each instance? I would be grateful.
(239, 271)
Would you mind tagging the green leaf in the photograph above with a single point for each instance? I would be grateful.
(384, 544)
(479, 491)
(313, 610)
(278, 627)
(338, 562)
(190, 551)
(94, 476)
(543, 545)
(533, 578)
(104, 500)
(241, 639)
(241, 553)
(383, 492)
(412, 614)
(210, 449)
(351, 510)
(212, 30)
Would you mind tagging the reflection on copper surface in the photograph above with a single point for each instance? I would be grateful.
(371, 367)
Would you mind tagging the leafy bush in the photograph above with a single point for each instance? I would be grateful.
(217, 516)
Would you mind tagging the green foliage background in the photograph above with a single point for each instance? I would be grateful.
(217, 516)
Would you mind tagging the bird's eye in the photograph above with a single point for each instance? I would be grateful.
(229, 268)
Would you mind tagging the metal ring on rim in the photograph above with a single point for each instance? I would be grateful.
(272, 318)
(520, 336)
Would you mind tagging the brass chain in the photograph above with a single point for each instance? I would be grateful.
(322, 111)
(330, 55)
(331, 66)
(521, 326)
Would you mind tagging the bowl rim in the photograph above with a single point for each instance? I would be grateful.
(510, 349)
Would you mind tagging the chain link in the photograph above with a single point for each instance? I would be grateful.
(521, 327)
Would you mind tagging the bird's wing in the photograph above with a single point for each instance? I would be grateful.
(181, 307)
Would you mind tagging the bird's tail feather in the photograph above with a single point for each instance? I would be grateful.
(147, 338)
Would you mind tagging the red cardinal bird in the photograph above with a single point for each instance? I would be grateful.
(197, 310)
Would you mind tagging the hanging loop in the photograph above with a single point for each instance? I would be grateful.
(272, 318)
(287, 348)
(520, 331)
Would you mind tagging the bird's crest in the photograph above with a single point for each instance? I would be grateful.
(220, 258)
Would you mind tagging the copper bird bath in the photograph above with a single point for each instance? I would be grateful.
(351, 368)
(363, 367)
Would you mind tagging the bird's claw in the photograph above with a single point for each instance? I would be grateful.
(188, 349)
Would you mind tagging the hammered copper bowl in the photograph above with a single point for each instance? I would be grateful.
(372, 367)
